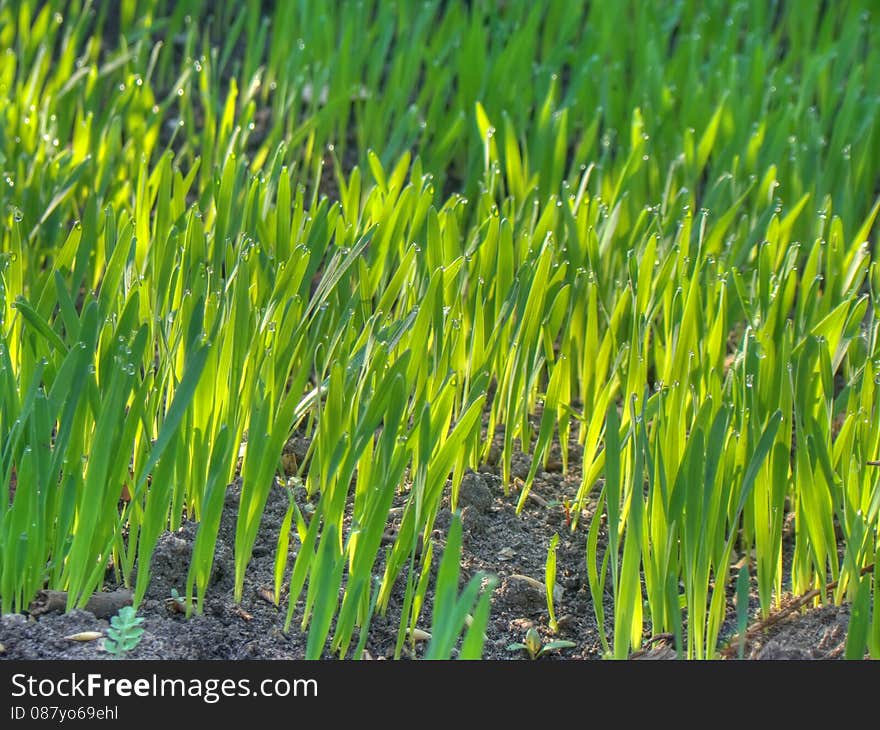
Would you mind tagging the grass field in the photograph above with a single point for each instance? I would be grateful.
(393, 227)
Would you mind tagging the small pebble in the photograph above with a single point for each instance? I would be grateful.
(520, 594)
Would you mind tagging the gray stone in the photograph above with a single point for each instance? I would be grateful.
(475, 492)
(472, 522)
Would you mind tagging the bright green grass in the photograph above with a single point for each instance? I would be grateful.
(651, 223)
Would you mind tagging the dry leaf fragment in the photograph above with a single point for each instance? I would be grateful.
(288, 463)
(267, 594)
(85, 636)
(418, 635)
(175, 605)
(243, 614)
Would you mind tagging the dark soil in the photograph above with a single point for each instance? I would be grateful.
(496, 541)
(820, 633)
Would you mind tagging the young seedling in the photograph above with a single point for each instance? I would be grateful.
(125, 632)
(176, 603)
(742, 609)
(535, 648)
(550, 581)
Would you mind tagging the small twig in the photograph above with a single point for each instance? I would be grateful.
(537, 498)
(660, 637)
(527, 580)
(103, 605)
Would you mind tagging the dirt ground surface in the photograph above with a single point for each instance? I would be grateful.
(497, 541)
